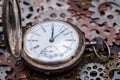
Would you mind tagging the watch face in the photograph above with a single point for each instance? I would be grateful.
(51, 41)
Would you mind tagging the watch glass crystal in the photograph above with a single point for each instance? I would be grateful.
(51, 41)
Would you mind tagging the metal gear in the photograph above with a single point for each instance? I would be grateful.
(117, 28)
(92, 71)
(62, 14)
(20, 70)
(110, 15)
(3, 70)
(117, 41)
(110, 66)
(79, 7)
(116, 75)
(29, 11)
(92, 29)
(53, 4)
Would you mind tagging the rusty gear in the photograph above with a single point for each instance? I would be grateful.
(20, 70)
(62, 14)
(112, 65)
(79, 7)
(92, 29)
(110, 15)
(117, 41)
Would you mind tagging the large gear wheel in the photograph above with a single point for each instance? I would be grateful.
(62, 14)
(92, 29)
(110, 15)
(92, 71)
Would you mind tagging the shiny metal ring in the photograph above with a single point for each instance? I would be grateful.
(104, 59)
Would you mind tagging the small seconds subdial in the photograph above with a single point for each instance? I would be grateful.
(51, 41)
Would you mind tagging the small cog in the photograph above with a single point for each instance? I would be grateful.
(111, 16)
(92, 71)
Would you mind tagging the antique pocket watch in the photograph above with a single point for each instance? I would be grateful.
(49, 46)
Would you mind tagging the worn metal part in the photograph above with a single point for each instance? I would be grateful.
(30, 10)
(2, 42)
(3, 71)
(1, 5)
(112, 65)
(20, 70)
(117, 40)
(79, 7)
(116, 75)
(92, 71)
(92, 29)
(117, 28)
(111, 16)
(46, 5)
(62, 14)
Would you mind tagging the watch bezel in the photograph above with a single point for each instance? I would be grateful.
(53, 67)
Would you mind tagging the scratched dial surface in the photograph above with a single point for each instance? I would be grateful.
(51, 41)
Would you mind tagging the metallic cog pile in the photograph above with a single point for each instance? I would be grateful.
(92, 29)
(114, 66)
(62, 14)
(17, 68)
(104, 23)
(30, 10)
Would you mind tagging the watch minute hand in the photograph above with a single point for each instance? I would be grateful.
(52, 32)
(60, 33)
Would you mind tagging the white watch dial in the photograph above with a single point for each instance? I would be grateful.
(51, 41)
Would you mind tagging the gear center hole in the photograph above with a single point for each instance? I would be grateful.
(110, 16)
(93, 73)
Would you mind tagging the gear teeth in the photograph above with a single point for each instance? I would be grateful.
(104, 18)
(57, 13)
(91, 9)
(94, 67)
(94, 3)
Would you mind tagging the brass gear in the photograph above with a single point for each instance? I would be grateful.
(112, 65)
(87, 25)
